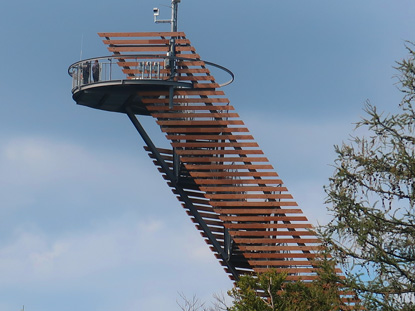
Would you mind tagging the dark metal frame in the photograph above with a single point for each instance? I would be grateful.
(225, 254)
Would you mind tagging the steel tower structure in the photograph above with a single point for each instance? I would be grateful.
(214, 166)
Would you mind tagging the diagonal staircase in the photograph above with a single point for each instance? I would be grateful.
(214, 166)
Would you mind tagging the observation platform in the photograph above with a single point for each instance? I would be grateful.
(112, 82)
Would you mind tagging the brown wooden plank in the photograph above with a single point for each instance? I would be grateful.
(223, 159)
(268, 226)
(249, 196)
(257, 211)
(279, 263)
(209, 144)
(280, 255)
(138, 73)
(206, 85)
(144, 41)
(218, 152)
(183, 92)
(253, 204)
(199, 167)
(155, 48)
(273, 241)
(149, 48)
(278, 248)
(237, 181)
(188, 56)
(271, 233)
(184, 63)
(263, 218)
(232, 174)
(195, 78)
(190, 137)
(258, 188)
(292, 270)
(186, 100)
(195, 115)
(140, 34)
(199, 123)
(190, 108)
(204, 130)
(195, 70)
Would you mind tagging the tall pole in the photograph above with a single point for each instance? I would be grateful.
(175, 7)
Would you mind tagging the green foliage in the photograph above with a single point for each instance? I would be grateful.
(372, 196)
(272, 291)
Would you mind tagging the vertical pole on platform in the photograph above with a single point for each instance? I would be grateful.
(175, 8)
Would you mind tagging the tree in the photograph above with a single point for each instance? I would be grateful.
(195, 304)
(273, 291)
(372, 196)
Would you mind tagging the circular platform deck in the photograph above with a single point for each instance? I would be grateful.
(115, 95)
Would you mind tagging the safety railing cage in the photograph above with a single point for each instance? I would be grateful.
(129, 67)
(115, 67)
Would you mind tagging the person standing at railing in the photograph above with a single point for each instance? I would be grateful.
(95, 71)
(86, 71)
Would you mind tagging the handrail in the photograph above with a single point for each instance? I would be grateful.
(147, 68)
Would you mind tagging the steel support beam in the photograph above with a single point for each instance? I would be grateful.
(189, 204)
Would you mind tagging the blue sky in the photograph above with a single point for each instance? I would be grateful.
(86, 221)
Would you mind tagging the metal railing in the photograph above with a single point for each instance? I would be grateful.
(112, 68)
(129, 67)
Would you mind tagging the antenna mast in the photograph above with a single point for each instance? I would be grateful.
(173, 20)
(174, 9)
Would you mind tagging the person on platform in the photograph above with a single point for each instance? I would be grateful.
(95, 71)
(86, 71)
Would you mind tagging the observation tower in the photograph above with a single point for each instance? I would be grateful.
(214, 167)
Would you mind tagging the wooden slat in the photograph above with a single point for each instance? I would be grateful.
(204, 130)
(183, 55)
(248, 196)
(258, 188)
(263, 233)
(145, 42)
(119, 49)
(150, 48)
(263, 218)
(190, 137)
(140, 34)
(280, 255)
(199, 167)
(199, 122)
(198, 70)
(185, 100)
(252, 204)
(280, 248)
(237, 181)
(268, 226)
(185, 63)
(279, 263)
(195, 115)
(274, 241)
(217, 152)
(208, 144)
(195, 78)
(291, 270)
(258, 211)
(190, 108)
(223, 159)
(206, 85)
(183, 92)
(232, 174)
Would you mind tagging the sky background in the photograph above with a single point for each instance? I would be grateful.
(86, 220)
